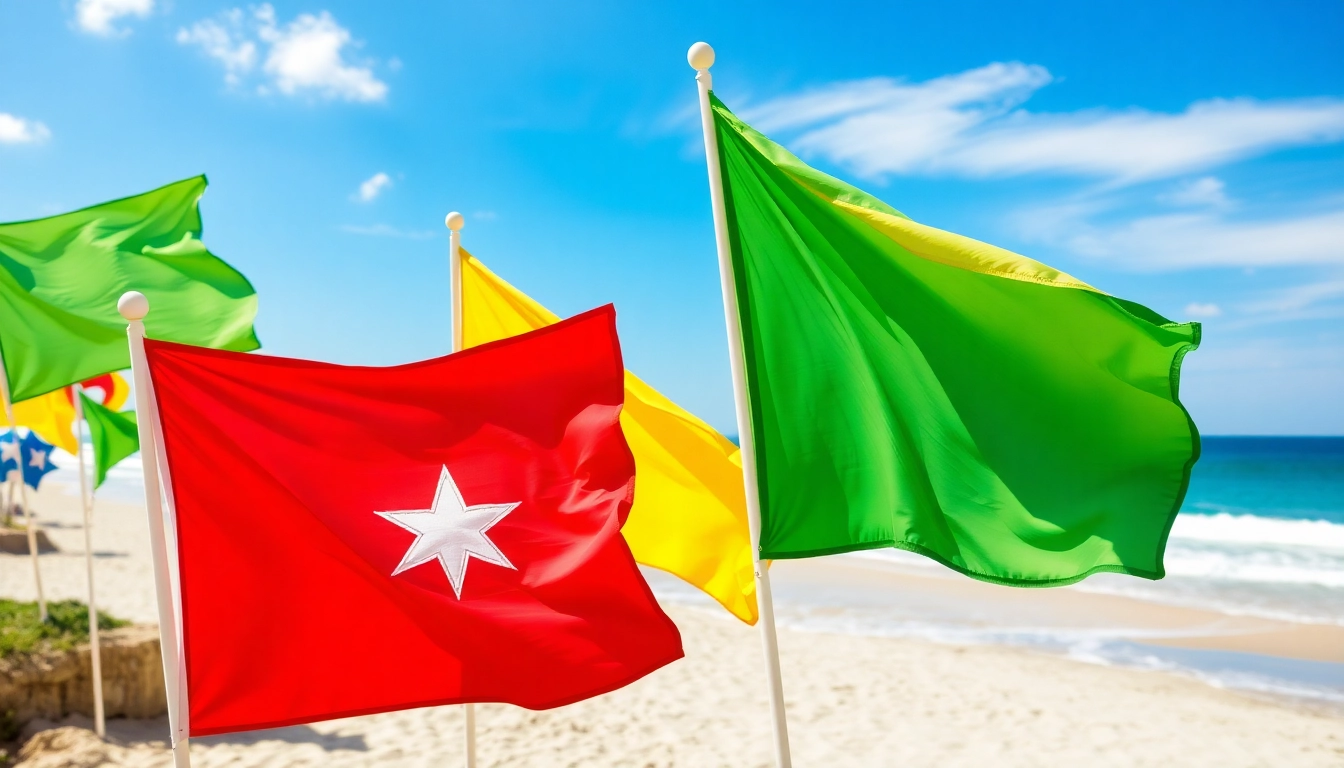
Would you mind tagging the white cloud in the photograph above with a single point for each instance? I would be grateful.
(307, 56)
(1322, 300)
(373, 186)
(1201, 240)
(1190, 240)
(970, 124)
(881, 125)
(1289, 354)
(1298, 298)
(1202, 311)
(1208, 191)
(97, 16)
(225, 40)
(17, 130)
(383, 230)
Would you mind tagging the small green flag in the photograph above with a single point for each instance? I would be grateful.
(912, 388)
(114, 435)
(60, 279)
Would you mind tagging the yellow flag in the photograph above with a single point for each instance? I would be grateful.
(52, 416)
(690, 511)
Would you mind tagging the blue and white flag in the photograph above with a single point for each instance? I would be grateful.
(31, 451)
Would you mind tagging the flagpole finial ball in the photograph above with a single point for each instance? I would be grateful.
(133, 305)
(701, 56)
(454, 221)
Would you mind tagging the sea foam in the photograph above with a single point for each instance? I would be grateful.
(1253, 529)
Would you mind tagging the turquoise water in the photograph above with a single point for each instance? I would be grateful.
(1290, 478)
(1261, 533)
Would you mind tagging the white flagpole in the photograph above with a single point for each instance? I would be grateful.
(86, 498)
(29, 516)
(134, 306)
(454, 221)
(701, 58)
(469, 710)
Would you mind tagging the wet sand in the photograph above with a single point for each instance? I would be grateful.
(905, 591)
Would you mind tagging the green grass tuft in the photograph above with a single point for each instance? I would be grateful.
(67, 625)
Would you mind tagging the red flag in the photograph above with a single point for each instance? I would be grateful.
(356, 540)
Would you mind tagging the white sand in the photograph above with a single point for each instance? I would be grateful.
(852, 701)
(122, 565)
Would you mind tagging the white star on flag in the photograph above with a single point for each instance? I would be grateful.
(9, 450)
(451, 532)
(37, 459)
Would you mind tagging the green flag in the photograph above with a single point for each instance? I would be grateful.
(60, 279)
(114, 435)
(916, 389)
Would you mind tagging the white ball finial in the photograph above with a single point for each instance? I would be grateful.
(700, 56)
(454, 221)
(133, 305)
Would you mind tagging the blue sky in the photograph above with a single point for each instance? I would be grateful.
(1189, 157)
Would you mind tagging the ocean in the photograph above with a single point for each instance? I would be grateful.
(1261, 534)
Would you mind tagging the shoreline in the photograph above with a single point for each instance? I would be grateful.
(858, 697)
(862, 582)
(852, 700)
(891, 587)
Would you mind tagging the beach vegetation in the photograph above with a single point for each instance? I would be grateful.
(67, 625)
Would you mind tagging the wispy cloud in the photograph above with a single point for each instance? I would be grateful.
(881, 125)
(1176, 241)
(1298, 298)
(224, 40)
(1208, 191)
(1308, 356)
(1322, 300)
(384, 230)
(98, 17)
(373, 186)
(307, 56)
(18, 130)
(971, 124)
(1202, 311)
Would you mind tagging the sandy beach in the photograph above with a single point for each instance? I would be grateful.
(852, 699)
(883, 584)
